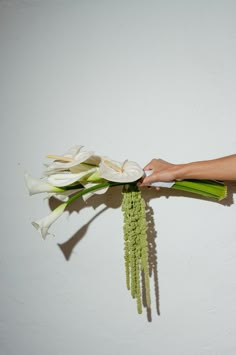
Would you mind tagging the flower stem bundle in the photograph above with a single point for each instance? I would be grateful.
(207, 188)
(82, 174)
(135, 244)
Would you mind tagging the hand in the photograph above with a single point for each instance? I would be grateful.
(161, 171)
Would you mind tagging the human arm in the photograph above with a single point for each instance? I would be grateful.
(216, 169)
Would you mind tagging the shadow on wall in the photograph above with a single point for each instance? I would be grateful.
(113, 199)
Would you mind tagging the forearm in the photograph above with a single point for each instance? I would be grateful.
(216, 169)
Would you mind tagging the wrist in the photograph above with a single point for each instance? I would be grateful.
(193, 170)
(182, 171)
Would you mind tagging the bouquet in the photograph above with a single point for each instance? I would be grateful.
(81, 174)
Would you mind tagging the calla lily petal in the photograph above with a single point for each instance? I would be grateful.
(95, 192)
(128, 171)
(67, 178)
(82, 168)
(72, 157)
(36, 186)
(44, 224)
(93, 160)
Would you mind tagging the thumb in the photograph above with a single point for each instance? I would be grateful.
(148, 167)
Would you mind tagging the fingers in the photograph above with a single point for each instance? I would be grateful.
(148, 180)
(158, 172)
(147, 183)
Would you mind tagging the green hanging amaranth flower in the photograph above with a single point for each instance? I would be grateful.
(135, 244)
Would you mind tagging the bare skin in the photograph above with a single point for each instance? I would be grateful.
(223, 169)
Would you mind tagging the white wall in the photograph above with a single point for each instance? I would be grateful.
(129, 79)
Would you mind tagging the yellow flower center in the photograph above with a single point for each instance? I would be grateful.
(113, 166)
(60, 158)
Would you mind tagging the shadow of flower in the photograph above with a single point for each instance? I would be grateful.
(69, 245)
(113, 199)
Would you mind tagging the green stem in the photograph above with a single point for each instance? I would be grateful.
(93, 188)
(207, 188)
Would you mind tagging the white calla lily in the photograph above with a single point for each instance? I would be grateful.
(128, 171)
(36, 186)
(95, 192)
(74, 156)
(68, 178)
(44, 224)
